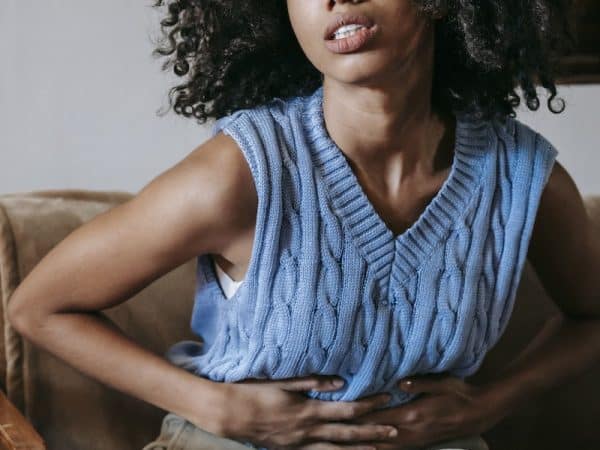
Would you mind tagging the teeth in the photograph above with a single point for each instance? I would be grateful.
(347, 30)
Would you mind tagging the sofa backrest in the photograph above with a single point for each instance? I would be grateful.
(69, 409)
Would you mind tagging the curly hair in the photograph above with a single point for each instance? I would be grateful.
(237, 54)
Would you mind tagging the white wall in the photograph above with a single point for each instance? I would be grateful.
(575, 132)
(79, 92)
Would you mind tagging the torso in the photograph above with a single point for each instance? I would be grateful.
(398, 215)
(441, 292)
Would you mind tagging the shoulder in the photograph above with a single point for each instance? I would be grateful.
(565, 248)
(526, 152)
(276, 111)
(208, 197)
(234, 196)
(561, 208)
(265, 135)
(524, 137)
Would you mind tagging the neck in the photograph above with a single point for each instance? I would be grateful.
(388, 123)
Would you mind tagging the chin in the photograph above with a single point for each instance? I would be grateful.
(359, 71)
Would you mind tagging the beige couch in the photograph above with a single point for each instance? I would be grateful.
(71, 411)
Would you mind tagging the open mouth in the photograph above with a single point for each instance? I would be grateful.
(350, 38)
(343, 24)
(347, 31)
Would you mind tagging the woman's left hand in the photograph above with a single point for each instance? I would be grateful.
(450, 408)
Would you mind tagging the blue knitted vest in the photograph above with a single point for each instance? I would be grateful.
(330, 290)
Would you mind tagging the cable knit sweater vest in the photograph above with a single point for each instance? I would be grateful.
(330, 290)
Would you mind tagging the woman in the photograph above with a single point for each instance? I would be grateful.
(378, 153)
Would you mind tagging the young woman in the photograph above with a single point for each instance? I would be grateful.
(362, 212)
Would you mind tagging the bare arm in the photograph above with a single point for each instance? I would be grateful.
(565, 252)
(180, 214)
(201, 205)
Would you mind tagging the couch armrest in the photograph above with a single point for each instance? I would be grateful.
(15, 431)
(70, 410)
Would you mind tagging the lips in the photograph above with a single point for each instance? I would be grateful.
(346, 19)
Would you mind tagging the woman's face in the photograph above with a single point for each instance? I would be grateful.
(400, 34)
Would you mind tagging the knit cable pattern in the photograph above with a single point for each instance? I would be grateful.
(331, 290)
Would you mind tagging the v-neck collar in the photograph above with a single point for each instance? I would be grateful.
(388, 255)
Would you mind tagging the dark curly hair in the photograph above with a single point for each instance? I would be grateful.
(241, 53)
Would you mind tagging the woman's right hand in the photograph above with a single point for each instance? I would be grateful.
(277, 414)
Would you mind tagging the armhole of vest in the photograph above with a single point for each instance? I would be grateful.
(541, 160)
(547, 154)
(230, 125)
(543, 157)
(245, 132)
(544, 153)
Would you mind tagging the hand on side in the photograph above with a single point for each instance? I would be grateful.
(277, 414)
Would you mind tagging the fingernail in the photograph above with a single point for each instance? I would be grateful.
(393, 432)
(338, 383)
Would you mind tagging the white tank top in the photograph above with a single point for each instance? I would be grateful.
(228, 285)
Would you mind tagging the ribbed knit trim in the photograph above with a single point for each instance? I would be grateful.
(400, 256)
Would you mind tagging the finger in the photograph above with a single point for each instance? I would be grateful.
(312, 383)
(351, 432)
(328, 410)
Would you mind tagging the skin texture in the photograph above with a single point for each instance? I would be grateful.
(400, 162)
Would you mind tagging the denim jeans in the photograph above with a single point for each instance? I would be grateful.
(179, 434)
